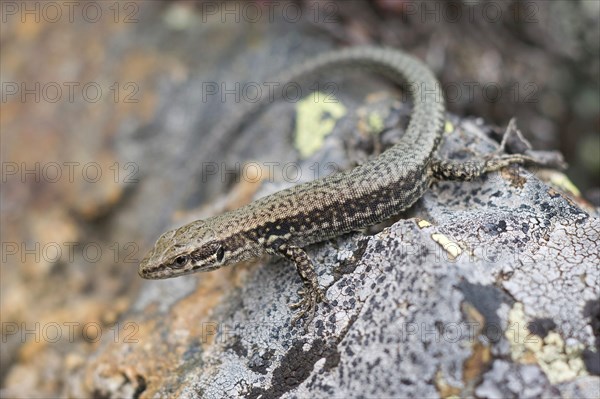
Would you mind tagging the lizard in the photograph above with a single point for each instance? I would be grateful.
(287, 221)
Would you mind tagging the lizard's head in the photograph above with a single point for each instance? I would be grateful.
(195, 247)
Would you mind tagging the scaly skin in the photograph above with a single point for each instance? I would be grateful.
(285, 222)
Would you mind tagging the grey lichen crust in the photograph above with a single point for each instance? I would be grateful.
(486, 289)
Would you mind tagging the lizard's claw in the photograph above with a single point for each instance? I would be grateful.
(308, 305)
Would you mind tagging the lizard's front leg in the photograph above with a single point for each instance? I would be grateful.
(312, 293)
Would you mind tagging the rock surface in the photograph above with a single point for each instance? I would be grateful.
(488, 288)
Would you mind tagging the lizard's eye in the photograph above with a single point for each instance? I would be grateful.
(180, 261)
(220, 254)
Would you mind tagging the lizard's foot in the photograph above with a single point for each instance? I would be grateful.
(521, 152)
(312, 293)
(444, 169)
(308, 304)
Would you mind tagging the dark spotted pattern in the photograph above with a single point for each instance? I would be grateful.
(284, 222)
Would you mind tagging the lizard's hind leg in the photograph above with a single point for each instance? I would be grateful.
(444, 169)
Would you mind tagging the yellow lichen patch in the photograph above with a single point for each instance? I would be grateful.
(561, 181)
(558, 361)
(451, 247)
(372, 119)
(316, 119)
(448, 127)
(523, 344)
(423, 223)
(375, 121)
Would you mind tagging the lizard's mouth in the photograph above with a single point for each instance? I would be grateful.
(152, 270)
(159, 272)
(155, 271)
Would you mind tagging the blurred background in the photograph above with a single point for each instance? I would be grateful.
(104, 103)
